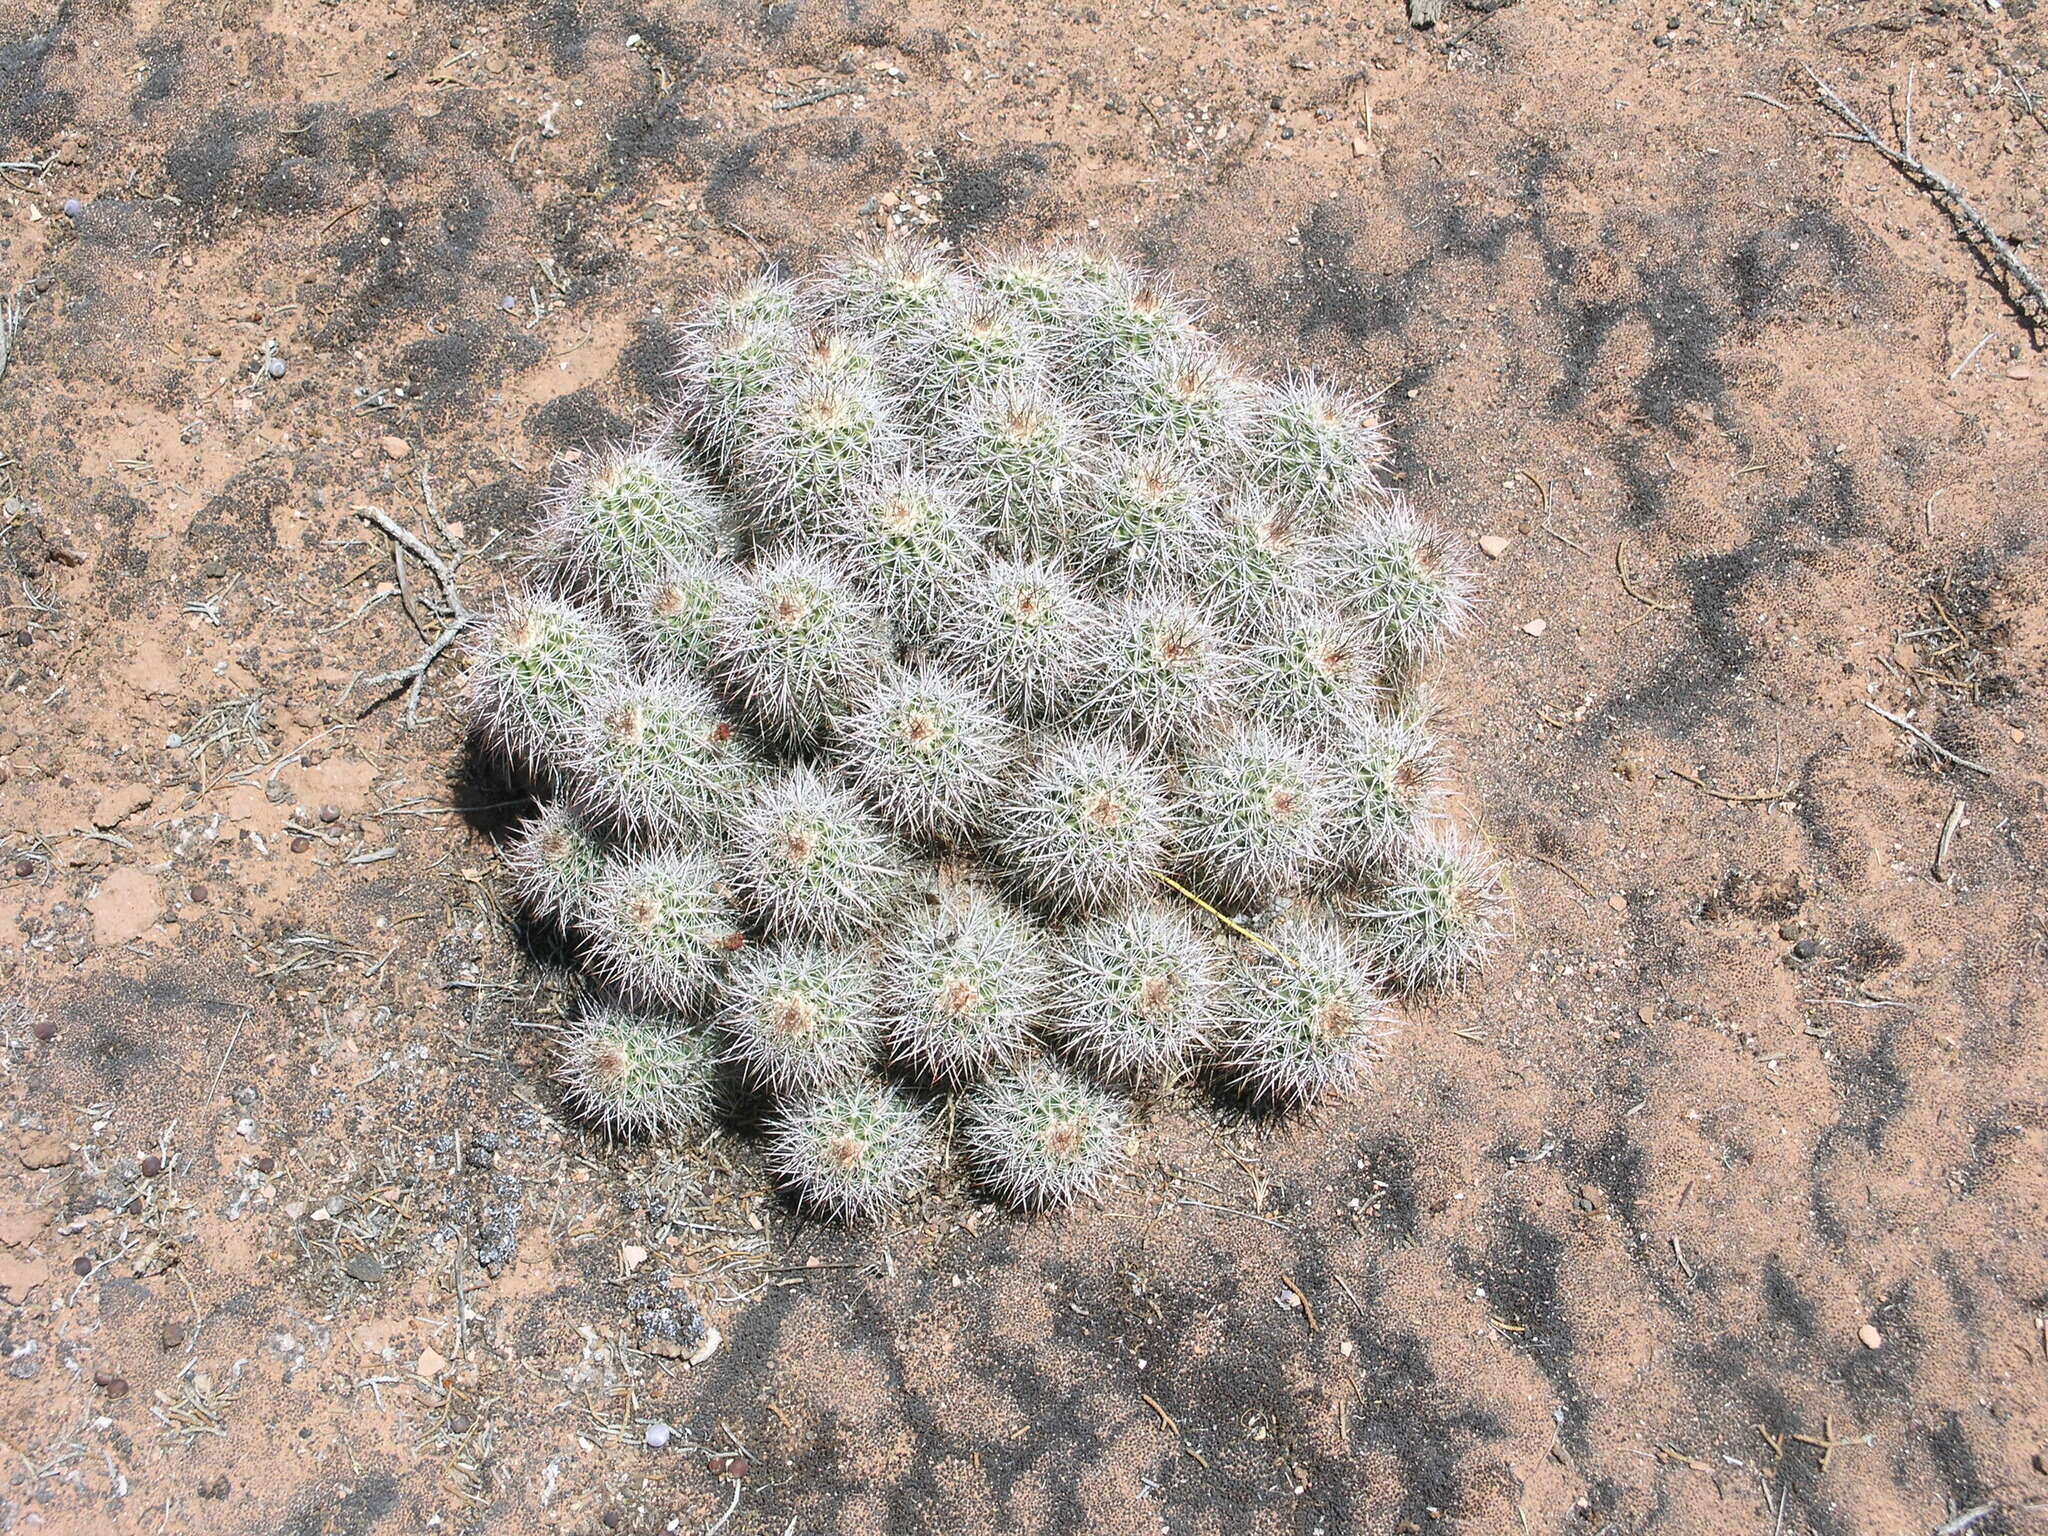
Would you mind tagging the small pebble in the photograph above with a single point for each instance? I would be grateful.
(657, 1436)
(394, 447)
(1536, 627)
(82, 1265)
(44, 1028)
(152, 1165)
(265, 1163)
(73, 207)
(1805, 949)
(1493, 546)
(23, 868)
(199, 895)
(1871, 1338)
(171, 1335)
(275, 367)
(113, 1386)
(330, 814)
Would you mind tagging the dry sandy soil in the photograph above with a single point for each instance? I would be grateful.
(1715, 1206)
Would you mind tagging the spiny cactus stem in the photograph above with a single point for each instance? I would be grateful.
(1227, 921)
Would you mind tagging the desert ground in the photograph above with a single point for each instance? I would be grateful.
(1714, 1205)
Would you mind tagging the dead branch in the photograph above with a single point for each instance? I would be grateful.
(1946, 194)
(10, 327)
(458, 617)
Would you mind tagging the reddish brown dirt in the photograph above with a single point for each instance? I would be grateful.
(1598, 1252)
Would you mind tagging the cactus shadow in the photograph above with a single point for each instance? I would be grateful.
(493, 795)
(1236, 1106)
(495, 798)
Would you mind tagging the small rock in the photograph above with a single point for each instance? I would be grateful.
(82, 1265)
(657, 1436)
(171, 1336)
(2019, 373)
(1618, 902)
(330, 814)
(1871, 1338)
(364, 1267)
(1805, 949)
(275, 367)
(265, 1163)
(1493, 546)
(432, 1363)
(73, 208)
(730, 1466)
(631, 1257)
(152, 1165)
(113, 1386)
(44, 1027)
(394, 447)
(1536, 627)
(46, 1151)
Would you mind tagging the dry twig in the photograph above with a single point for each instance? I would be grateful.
(1948, 836)
(1945, 193)
(458, 619)
(815, 97)
(1926, 740)
(1730, 796)
(1544, 858)
(1621, 570)
(10, 327)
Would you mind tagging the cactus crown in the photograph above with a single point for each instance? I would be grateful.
(974, 660)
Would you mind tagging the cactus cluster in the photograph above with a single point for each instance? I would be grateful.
(979, 685)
